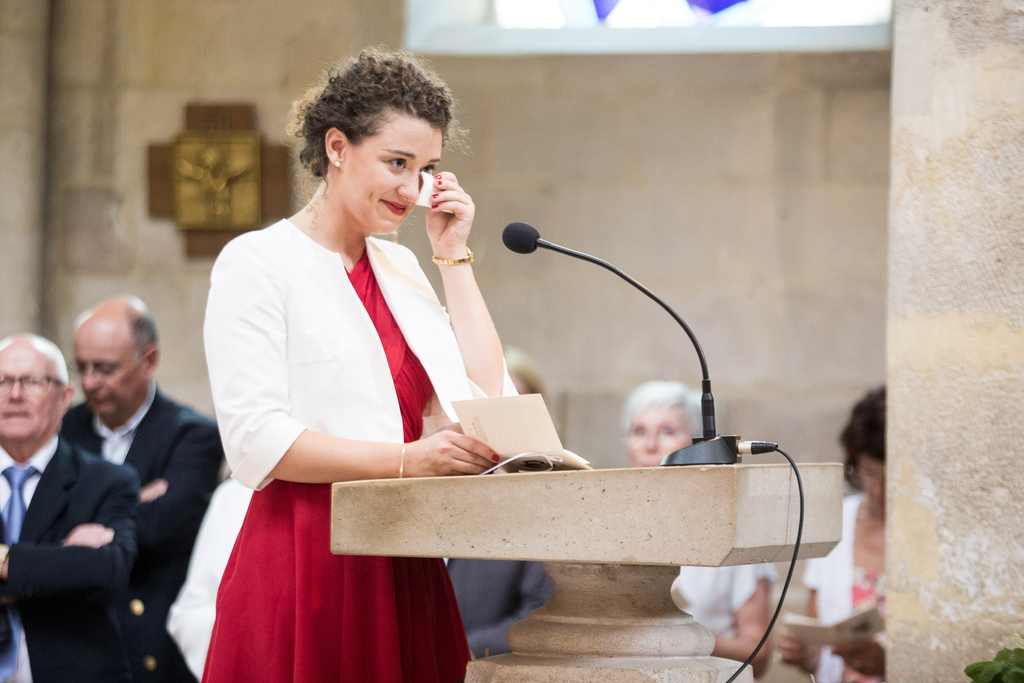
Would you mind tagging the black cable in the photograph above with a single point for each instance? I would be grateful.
(789, 576)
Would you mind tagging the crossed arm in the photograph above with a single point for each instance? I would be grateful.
(93, 560)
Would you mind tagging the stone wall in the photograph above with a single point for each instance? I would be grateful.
(956, 338)
(24, 61)
(749, 190)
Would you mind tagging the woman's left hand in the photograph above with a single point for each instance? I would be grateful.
(450, 217)
(864, 656)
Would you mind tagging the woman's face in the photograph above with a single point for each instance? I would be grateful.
(870, 474)
(655, 433)
(378, 181)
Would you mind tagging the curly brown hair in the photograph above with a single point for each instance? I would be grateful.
(359, 96)
(864, 434)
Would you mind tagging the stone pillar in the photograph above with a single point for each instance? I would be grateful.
(24, 58)
(955, 337)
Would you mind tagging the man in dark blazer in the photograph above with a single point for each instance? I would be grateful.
(69, 520)
(177, 454)
(493, 595)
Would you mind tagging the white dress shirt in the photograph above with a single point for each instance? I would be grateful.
(290, 347)
(39, 460)
(116, 442)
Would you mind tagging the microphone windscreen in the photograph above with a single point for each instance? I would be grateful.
(520, 238)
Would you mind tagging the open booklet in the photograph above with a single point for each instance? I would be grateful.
(860, 626)
(520, 430)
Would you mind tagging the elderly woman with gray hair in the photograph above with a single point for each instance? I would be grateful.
(733, 602)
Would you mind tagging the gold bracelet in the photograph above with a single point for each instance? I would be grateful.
(401, 465)
(455, 261)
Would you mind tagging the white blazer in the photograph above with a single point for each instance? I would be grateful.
(832, 577)
(290, 347)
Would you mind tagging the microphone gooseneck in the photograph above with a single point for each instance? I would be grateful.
(711, 449)
(523, 238)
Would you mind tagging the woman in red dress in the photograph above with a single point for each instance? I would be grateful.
(326, 348)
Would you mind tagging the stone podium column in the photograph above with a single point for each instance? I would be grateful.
(24, 63)
(955, 337)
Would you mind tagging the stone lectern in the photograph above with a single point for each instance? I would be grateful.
(612, 542)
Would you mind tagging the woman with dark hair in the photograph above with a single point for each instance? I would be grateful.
(852, 577)
(328, 352)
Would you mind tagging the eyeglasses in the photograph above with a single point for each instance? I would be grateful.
(30, 386)
(641, 433)
(861, 477)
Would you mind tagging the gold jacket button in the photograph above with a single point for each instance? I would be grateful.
(137, 609)
(149, 662)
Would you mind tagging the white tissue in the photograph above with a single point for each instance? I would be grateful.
(426, 189)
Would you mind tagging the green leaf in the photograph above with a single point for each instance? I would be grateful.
(1017, 640)
(1016, 657)
(1013, 675)
(984, 672)
(1003, 655)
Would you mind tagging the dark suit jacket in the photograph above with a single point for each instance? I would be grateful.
(493, 595)
(175, 443)
(66, 595)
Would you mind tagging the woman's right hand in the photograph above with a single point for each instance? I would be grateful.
(447, 452)
(794, 652)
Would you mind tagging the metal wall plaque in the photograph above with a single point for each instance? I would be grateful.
(217, 180)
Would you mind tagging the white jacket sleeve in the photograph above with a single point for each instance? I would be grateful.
(246, 351)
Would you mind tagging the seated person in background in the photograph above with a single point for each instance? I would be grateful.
(494, 594)
(191, 617)
(733, 602)
(851, 577)
(68, 531)
(176, 452)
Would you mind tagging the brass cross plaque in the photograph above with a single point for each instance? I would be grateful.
(218, 179)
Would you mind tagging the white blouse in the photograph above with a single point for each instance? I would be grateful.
(713, 595)
(290, 346)
(832, 579)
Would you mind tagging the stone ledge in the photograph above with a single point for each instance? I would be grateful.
(703, 516)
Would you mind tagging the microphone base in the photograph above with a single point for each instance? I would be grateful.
(721, 450)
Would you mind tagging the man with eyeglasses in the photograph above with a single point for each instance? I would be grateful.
(177, 454)
(68, 531)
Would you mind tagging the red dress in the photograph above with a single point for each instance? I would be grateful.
(289, 610)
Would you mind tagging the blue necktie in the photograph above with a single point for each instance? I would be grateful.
(14, 515)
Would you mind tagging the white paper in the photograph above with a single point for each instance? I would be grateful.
(516, 425)
(860, 626)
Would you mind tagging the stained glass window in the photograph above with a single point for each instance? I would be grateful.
(645, 26)
(659, 13)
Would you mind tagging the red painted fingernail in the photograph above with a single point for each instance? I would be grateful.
(433, 206)
(496, 458)
(434, 196)
(438, 176)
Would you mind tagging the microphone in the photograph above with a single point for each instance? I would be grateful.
(521, 238)
(709, 449)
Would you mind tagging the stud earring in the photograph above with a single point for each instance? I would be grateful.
(338, 164)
